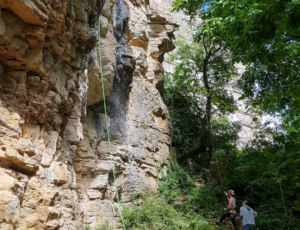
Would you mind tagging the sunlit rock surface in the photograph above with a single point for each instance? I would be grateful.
(55, 167)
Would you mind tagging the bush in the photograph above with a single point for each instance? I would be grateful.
(176, 182)
(197, 224)
(205, 200)
(154, 214)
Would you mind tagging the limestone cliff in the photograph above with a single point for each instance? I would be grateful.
(55, 168)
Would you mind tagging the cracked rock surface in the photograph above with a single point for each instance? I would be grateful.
(55, 167)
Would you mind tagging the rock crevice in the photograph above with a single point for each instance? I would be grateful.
(55, 166)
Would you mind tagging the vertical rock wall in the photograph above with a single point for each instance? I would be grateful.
(55, 168)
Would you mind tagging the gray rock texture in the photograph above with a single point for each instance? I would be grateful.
(55, 164)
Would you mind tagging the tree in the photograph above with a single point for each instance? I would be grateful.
(200, 77)
(264, 35)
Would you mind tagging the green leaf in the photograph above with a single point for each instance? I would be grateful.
(290, 160)
(297, 208)
(263, 67)
(296, 161)
(279, 179)
(214, 100)
(242, 97)
(228, 75)
(282, 79)
(283, 164)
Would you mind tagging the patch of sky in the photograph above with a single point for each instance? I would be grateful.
(205, 5)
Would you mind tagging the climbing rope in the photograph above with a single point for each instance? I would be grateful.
(106, 122)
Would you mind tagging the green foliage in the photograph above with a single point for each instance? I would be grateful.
(284, 155)
(253, 177)
(192, 59)
(255, 180)
(144, 126)
(186, 118)
(105, 226)
(225, 134)
(265, 36)
(155, 214)
(197, 224)
(190, 97)
(175, 183)
(179, 184)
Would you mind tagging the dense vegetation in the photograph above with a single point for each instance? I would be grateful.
(264, 36)
(156, 214)
(200, 95)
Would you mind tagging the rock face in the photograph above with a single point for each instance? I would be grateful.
(55, 164)
(243, 116)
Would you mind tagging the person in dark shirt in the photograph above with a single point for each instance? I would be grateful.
(230, 210)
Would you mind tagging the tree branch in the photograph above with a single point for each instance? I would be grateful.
(217, 50)
(204, 46)
(192, 153)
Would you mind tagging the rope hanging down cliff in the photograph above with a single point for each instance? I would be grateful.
(106, 122)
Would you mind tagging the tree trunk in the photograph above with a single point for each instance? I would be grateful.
(208, 108)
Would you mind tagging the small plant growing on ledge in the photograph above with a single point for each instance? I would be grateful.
(144, 126)
(106, 226)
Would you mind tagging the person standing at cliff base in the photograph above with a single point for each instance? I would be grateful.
(230, 210)
(248, 215)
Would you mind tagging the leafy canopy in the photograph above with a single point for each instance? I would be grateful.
(265, 36)
(196, 91)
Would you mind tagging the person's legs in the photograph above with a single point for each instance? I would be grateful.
(233, 221)
(223, 217)
(227, 214)
(248, 227)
